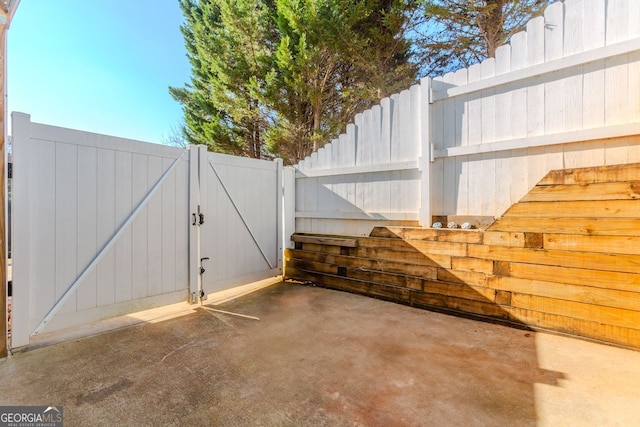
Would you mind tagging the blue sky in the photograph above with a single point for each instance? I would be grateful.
(98, 65)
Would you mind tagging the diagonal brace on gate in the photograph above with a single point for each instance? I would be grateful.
(224, 187)
(96, 260)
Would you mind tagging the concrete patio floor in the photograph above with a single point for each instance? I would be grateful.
(321, 357)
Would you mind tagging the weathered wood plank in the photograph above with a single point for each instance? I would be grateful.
(323, 240)
(419, 246)
(317, 267)
(427, 300)
(606, 244)
(605, 315)
(582, 226)
(500, 238)
(612, 334)
(424, 271)
(599, 191)
(579, 209)
(462, 277)
(596, 278)
(376, 277)
(472, 264)
(618, 173)
(321, 248)
(588, 260)
(437, 260)
(562, 291)
(457, 290)
(432, 234)
(447, 295)
(402, 280)
(393, 293)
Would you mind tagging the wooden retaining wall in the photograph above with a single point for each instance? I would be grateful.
(565, 258)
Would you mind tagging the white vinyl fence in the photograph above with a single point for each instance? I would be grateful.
(565, 93)
(105, 226)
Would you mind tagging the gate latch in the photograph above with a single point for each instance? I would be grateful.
(202, 270)
(198, 218)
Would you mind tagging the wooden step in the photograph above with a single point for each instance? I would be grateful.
(561, 258)
(578, 226)
(605, 244)
(616, 173)
(577, 192)
(576, 209)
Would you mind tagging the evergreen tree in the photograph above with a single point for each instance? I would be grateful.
(335, 57)
(288, 73)
(459, 33)
(228, 43)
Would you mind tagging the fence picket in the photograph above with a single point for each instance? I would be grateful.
(535, 91)
(617, 21)
(573, 80)
(519, 60)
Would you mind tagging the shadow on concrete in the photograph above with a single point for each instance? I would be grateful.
(493, 377)
(314, 357)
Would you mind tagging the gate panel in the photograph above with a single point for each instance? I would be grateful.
(240, 199)
(101, 227)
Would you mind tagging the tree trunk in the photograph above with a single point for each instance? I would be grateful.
(316, 126)
(493, 27)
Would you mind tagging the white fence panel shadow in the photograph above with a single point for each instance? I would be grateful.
(549, 100)
(367, 176)
(565, 93)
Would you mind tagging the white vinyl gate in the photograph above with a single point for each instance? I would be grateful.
(106, 226)
(239, 239)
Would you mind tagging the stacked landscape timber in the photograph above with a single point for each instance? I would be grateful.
(565, 258)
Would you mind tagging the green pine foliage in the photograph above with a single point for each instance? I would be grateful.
(228, 43)
(280, 78)
(459, 33)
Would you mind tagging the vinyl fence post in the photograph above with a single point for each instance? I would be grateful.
(194, 229)
(289, 205)
(424, 214)
(20, 328)
(279, 213)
